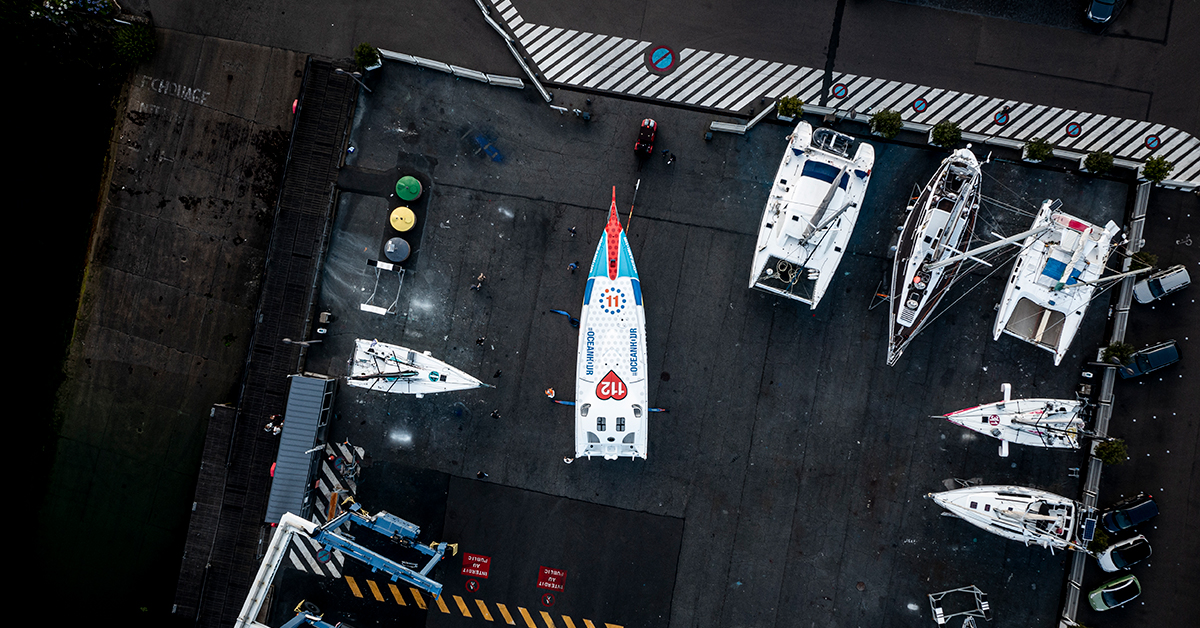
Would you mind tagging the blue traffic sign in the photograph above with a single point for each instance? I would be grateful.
(1153, 142)
(840, 90)
(919, 105)
(1001, 118)
(661, 60)
(1074, 129)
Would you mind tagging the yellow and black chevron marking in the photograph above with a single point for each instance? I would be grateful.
(482, 609)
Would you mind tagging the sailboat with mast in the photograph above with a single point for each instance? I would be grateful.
(938, 225)
(1054, 423)
(1029, 515)
(391, 368)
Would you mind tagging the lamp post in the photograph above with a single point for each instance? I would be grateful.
(353, 75)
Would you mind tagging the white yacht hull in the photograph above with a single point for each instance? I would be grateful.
(810, 215)
(391, 368)
(1028, 515)
(938, 225)
(1053, 423)
(611, 390)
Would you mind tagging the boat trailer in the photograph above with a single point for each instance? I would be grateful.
(981, 609)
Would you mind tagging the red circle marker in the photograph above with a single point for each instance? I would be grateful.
(547, 599)
(472, 585)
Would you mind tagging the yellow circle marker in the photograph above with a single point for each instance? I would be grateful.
(403, 219)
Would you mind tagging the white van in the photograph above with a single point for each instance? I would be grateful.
(1161, 283)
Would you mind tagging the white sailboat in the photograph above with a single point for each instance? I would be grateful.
(938, 225)
(814, 203)
(1029, 515)
(611, 390)
(391, 368)
(1055, 423)
(1053, 279)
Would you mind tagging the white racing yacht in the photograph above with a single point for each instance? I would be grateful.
(1029, 515)
(938, 225)
(395, 369)
(1056, 423)
(1053, 280)
(815, 200)
(611, 389)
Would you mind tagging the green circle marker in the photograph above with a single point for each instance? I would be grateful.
(408, 188)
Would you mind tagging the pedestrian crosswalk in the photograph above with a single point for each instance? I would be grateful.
(732, 84)
(336, 480)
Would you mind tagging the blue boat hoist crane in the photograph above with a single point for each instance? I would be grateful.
(394, 528)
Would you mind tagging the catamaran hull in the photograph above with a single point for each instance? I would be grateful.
(800, 266)
(1052, 280)
(611, 391)
(391, 368)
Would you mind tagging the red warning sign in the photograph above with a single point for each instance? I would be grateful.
(476, 565)
(553, 579)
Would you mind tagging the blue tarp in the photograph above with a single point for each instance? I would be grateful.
(1054, 270)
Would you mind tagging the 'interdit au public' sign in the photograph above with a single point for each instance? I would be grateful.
(476, 565)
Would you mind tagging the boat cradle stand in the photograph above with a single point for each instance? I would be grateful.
(981, 609)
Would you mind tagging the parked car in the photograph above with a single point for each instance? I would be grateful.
(1128, 513)
(1124, 554)
(645, 141)
(1101, 11)
(1161, 283)
(1150, 359)
(1115, 593)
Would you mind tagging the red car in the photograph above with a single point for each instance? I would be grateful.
(645, 140)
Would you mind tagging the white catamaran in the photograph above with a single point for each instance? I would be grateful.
(1053, 280)
(1056, 423)
(810, 215)
(938, 225)
(395, 369)
(1029, 515)
(611, 390)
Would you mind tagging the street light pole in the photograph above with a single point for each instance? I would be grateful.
(353, 75)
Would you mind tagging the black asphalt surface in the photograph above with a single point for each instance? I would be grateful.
(795, 459)
(765, 398)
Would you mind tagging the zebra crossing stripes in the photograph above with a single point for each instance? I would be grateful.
(304, 554)
(732, 84)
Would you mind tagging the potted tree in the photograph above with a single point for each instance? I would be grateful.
(789, 108)
(134, 44)
(1111, 452)
(1037, 149)
(945, 134)
(1156, 169)
(367, 57)
(1143, 259)
(886, 123)
(1098, 162)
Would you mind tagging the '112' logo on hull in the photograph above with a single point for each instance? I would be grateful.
(611, 387)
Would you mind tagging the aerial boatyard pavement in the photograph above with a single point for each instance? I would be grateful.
(611, 395)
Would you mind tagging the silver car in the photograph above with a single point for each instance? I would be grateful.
(1161, 283)
(1124, 554)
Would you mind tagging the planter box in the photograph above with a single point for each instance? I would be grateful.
(375, 66)
(785, 118)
